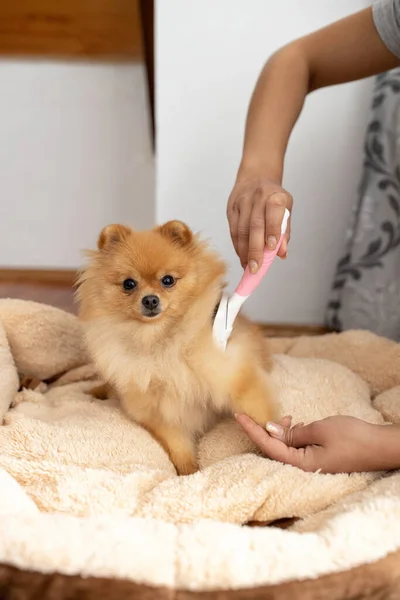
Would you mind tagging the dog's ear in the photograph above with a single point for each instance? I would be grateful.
(177, 231)
(111, 235)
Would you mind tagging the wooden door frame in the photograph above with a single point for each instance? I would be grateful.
(147, 20)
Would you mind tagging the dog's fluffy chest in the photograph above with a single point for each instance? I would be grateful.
(169, 369)
(174, 371)
(185, 383)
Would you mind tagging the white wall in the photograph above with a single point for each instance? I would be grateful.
(75, 155)
(209, 55)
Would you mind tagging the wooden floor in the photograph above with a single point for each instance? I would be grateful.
(62, 296)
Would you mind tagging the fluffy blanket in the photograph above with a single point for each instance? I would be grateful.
(86, 491)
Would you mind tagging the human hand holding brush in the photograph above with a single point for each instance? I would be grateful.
(358, 46)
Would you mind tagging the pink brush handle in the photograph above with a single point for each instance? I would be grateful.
(249, 282)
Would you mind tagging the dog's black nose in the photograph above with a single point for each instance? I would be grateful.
(150, 302)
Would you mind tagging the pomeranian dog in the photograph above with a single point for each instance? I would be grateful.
(147, 300)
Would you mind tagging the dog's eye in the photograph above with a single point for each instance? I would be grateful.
(129, 285)
(168, 281)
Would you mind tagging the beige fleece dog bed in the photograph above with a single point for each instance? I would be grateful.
(85, 492)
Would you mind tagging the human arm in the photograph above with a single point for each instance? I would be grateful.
(344, 51)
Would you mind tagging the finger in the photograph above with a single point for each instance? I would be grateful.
(233, 220)
(283, 250)
(301, 424)
(257, 236)
(286, 421)
(296, 437)
(274, 213)
(310, 458)
(255, 432)
(244, 231)
(272, 447)
(260, 436)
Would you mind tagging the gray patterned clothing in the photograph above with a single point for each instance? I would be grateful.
(366, 288)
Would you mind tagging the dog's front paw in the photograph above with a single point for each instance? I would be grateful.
(260, 412)
(186, 467)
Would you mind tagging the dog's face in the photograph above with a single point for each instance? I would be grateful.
(150, 275)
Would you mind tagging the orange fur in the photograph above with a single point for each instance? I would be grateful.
(166, 369)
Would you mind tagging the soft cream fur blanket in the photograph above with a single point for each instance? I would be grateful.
(85, 490)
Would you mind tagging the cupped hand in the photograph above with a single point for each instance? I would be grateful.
(338, 444)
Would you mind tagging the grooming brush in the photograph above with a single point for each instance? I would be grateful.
(229, 307)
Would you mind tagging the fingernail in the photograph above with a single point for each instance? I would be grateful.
(275, 429)
(271, 242)
(253, 267)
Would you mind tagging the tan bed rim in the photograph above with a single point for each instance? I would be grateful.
(376, 581)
